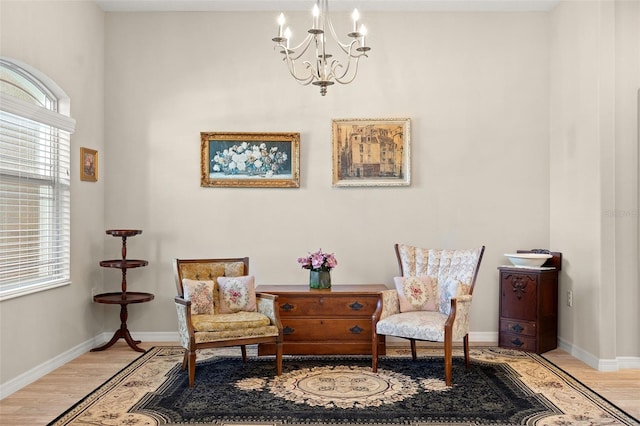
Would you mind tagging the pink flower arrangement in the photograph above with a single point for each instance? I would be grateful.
(318, 261)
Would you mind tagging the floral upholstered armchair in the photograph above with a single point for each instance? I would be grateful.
(217, 307)
(431, 301)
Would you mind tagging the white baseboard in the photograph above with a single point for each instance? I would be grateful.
(628, 362)
(615, 364)
(155, 336)
(47, 367)
(488, 337)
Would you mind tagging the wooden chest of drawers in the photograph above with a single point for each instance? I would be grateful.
(325, 321)
(528, 309)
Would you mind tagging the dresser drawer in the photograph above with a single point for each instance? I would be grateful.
(526, 328)
(322, 305)
(518, 341)
(322, 329)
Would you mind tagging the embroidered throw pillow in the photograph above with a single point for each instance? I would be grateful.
(237, 294)
(200, 292)
(416, 293)
(451, 288)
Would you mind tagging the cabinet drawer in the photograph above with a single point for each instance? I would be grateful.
(322, 330)
(322, 305)
(525, 328)
(517, 341)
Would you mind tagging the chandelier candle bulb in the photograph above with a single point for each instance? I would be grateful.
(355, 15)
(280, 24)
(287, 36)
(316, 14)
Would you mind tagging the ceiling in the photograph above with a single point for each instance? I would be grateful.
(292, 5)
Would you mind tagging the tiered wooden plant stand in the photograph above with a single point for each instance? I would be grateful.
(123, 298)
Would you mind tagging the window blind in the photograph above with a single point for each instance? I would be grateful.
(34, 203)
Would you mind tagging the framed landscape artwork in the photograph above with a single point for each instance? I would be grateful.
(88, 164)
(371, 152)
(259, 160)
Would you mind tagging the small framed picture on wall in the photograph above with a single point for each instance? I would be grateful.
(88, 164)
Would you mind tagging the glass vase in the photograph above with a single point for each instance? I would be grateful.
(319, 279)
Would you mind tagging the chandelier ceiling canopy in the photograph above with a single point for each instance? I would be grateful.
(322, 59)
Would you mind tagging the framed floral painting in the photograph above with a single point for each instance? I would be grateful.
(371, 152)
(88, 164)
(259, 160)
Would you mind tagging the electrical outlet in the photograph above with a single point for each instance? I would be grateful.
(569, 298)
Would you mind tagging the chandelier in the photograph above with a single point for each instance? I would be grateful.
(312, 61)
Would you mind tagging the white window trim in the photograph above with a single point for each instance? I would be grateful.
(37, 113)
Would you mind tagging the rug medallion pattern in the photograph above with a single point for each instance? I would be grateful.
(502, 387)
(339, 386)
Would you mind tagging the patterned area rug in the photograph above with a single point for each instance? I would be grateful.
(502, 387)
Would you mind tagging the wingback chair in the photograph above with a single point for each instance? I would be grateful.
(217, 307)
(431, 301)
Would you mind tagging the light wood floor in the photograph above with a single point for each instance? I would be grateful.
(42, 401)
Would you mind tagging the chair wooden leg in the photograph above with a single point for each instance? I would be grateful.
(374, 352)
(192, 368)
(185, 359)
(466, 350)
(447, 357)
(243, 349)
(279, 358)
(414, 351)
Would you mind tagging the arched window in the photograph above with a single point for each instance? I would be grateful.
(35, 130)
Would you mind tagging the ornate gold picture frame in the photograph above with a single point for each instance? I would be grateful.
(258, 160)
(371, 152)
(88, 164)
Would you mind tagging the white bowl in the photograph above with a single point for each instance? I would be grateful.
(528, 259)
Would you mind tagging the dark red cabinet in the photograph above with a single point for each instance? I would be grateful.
(528, 309)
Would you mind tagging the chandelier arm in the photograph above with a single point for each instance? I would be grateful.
(349, 50)
(291, 67)
(305, 81)
(341, 78)
(298, 51)
(345, 47)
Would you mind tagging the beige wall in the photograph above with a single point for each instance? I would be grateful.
(64, 40)
(478, 87)
(595, 76)
(474, 85)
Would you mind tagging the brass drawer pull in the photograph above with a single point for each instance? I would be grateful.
(517, 328)
(288, 330)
